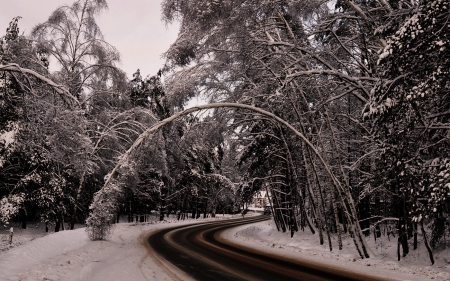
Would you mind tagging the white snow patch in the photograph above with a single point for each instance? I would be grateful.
(7, 138)
(305, 245)
(69, 255)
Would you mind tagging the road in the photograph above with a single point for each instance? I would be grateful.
(200, 252)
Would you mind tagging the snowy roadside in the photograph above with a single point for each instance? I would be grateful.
(22, 236)
(70, 255)
(304, 245)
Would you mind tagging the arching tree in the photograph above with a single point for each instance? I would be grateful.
(295, 60)
(101, 211)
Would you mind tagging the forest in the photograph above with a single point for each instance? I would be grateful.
(339, 110)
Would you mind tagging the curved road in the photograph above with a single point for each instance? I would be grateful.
(200, 252)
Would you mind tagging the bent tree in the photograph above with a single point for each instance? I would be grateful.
(68, 126)
(28, 176)
(87, 67)
(102, 207)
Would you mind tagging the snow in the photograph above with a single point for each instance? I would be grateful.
(70, 255)
(305, 246)
(7, 138)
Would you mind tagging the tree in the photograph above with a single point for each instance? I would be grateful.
(126, 160)
(72, 37)
(87, 66)
(283, 61)
(28, 169)
(408, 108)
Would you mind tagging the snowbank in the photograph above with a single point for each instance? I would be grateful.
(70, 255)
(304, 245)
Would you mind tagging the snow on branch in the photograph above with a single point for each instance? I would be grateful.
(60, 89)
(111, 190)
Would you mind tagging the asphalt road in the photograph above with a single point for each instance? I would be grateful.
(200, 252)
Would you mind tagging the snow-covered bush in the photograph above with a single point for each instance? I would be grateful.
(434, 199)
(99, 225)
(9, 207)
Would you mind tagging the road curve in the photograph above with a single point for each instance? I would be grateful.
(200, 252)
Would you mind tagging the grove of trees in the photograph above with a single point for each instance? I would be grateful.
(338, 109)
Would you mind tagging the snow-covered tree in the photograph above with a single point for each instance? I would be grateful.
(409, 106)
(72, 37)
(293, 59)
(25, 96)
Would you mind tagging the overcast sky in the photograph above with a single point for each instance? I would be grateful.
(134, 27)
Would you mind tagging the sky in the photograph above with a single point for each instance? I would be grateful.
(133, 27)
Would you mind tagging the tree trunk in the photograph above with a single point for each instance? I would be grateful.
(415, 235)
(296, 180)
(162, 208)
(321, 206)
(355, 241)
(344, 178)
(62, 221)
(77, 199)
(23, 218)
(336, 218)
(195, 209)
(205, 207)
(278, 214)
(272, 208)
(314, 194)
(57, 225)
(425, 240)
(365, 248)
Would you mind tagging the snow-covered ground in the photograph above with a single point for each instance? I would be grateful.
(304, 245)
(70, 255)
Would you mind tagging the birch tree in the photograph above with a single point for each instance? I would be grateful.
(86, 64)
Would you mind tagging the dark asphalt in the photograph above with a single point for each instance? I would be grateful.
(199, 251)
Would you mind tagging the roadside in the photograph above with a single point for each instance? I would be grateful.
(22, 236)
(264, 236)
(71, 256)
